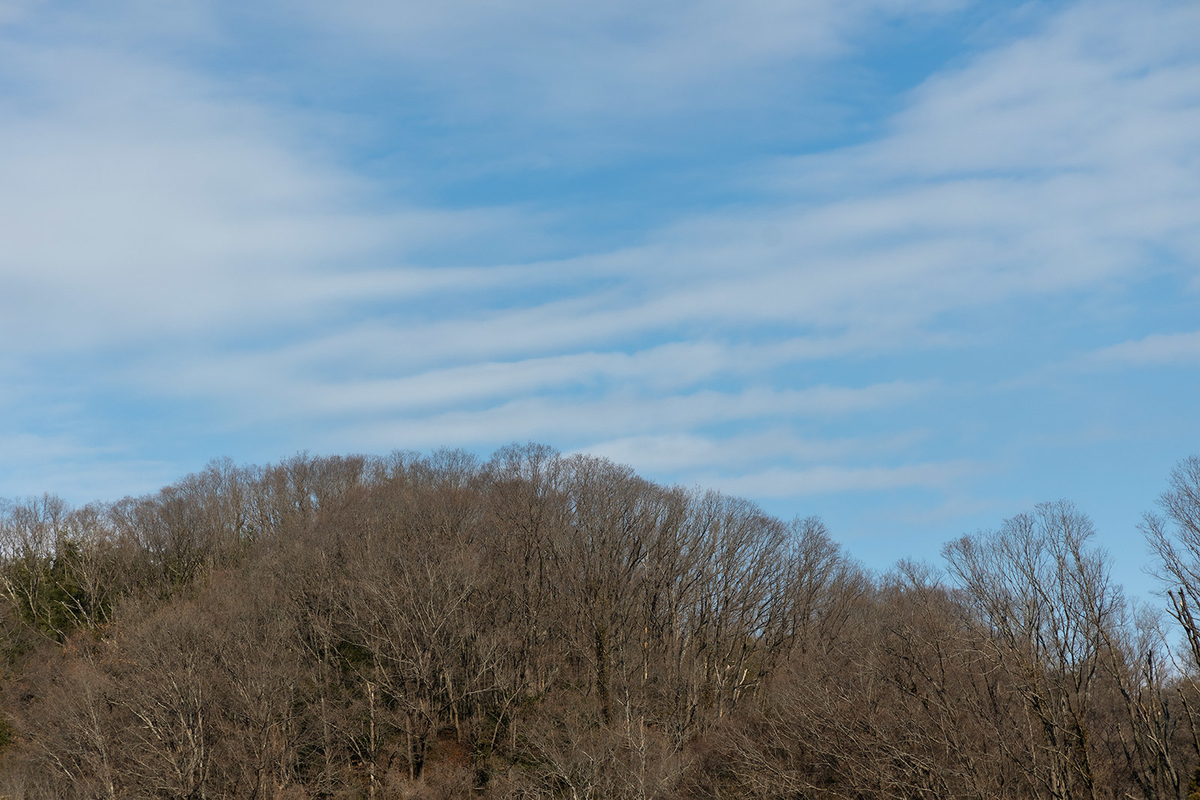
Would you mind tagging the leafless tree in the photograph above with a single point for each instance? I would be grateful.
(1044, 598)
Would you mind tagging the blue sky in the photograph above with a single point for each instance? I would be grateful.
(911, 266)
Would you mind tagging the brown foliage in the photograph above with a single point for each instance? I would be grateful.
(540, 626)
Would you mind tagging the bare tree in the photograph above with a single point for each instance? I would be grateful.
(1174, 538)
(1045, 601)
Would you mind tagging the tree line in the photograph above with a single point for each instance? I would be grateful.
(547, 626)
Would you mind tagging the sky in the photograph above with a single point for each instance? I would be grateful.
(912, 267)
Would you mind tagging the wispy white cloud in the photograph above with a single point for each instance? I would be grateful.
(684, 455)
(619, 59)
(1159, 349)
(62, 464)
(153, 178)
(833, 479)
(215, 242)
(1091, 89)
(620, 413)
(142, 200)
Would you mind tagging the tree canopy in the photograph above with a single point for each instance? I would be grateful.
(544, 626)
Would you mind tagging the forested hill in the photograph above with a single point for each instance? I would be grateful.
(541, 626)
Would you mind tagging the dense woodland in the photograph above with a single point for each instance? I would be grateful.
(540, 626)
